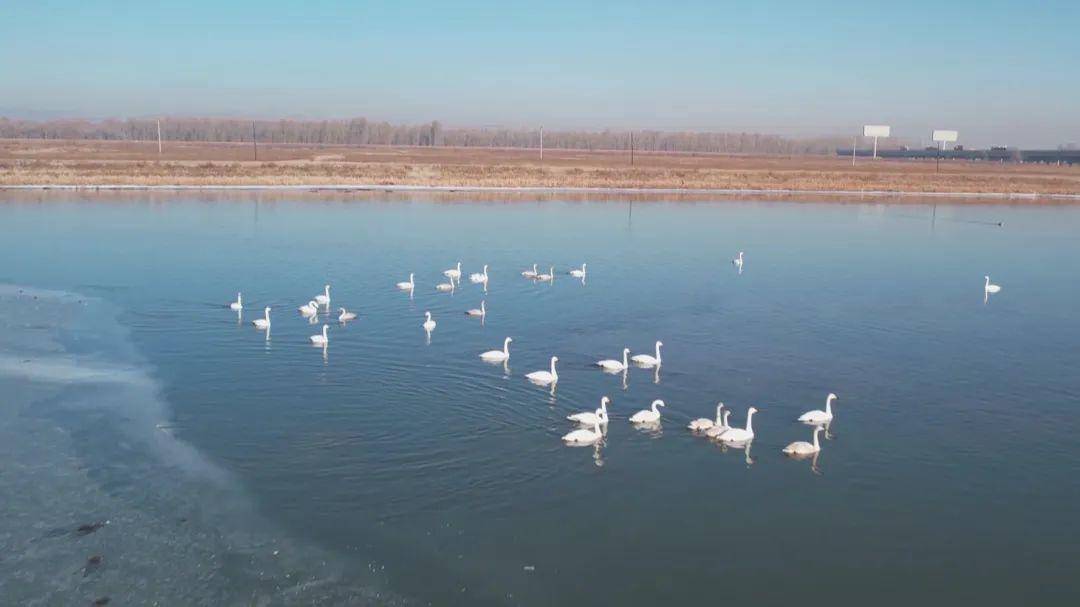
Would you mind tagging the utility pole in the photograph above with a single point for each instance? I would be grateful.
(254, 142)
(631, 148)
(159, 137)
(541, 143)
(854, 142)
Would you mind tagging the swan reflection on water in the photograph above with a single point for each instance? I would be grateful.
(743, 446)
(653, 429)
(813, 457)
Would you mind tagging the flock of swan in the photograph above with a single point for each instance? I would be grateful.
(592, 425)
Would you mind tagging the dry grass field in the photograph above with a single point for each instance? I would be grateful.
(53, 162)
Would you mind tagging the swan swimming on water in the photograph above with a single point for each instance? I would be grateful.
(718, 430)
(453, 273)
(530, 273)
(238, 304)
(576, 273)
(614, 366)
(309, 309)
(741, 435)
(644, 360)
(264, 322)
(324, 299)
(545, 378)
(481, 311)
(428, 324)
(990, 287)
(321, 340)
(703, 423)
(407, 286)
(798, 448)
(588, 418)
(818, 416)
(648, 416)
(446, 286)
(549, 277)
(498, 355)
(738, 261)
(346, 315)
(582, 436)
(479, 277)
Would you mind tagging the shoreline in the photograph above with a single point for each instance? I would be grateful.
(544, 190)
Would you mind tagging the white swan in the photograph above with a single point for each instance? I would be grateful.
(346, 315)
(498, 355)
(530, 273)
(445, 286)
(481, 311)
(324, 299)
(738, 261)
(309, 309)
(614, 366)
(264, 322)
(545, 378)
(648, 416)
(802, 447)
(818, 416)
(645, 360)
(582, 436)
(428, 324)
(588, 418)
(718, 430)
(238, 304)
(703, 423)
(548, 277)
(321, 340)
(407, 286)
(578, 273)
(741, 435)
(479, 277)
(990, 287)
(453, 273)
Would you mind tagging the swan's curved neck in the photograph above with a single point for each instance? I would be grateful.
(749, 420)
(266, 314)
(553, 373)
(658, 352)
(816, 431)
(719, 413)
(987, 281)
(506, 346)
(828, 406)
(625, 352)
(727, 414)
(324, 329)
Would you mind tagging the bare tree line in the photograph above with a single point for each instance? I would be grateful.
(360, 131)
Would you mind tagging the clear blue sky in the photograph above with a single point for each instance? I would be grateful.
(1005, 72)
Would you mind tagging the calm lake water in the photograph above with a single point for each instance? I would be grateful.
(234, 469)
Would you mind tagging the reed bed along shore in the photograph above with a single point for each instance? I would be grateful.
(24, 162)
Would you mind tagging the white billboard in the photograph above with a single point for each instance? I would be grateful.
(946, 136)
(875, 130)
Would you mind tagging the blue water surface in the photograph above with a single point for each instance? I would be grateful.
(950, 473)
